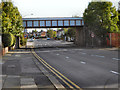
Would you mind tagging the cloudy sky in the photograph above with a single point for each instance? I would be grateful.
(53, 8)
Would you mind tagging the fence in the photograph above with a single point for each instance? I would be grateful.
(114, 41)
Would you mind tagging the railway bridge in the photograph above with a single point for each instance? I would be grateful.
(58, 22)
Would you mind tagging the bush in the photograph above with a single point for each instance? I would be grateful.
(7, 39)
(14, 40)
(23, 41)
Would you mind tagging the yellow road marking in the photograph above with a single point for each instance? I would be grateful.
(53, 72)
(40, 59)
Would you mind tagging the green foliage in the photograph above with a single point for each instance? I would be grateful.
(8, 39)
(23, 41)
(65, 31)
(11, 19)
(14, 40)
(71, 32)
(119, 19)
(101, 18)
(0, 18)
(34, 31)
(51, 33)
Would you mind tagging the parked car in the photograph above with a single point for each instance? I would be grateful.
(48, 38)
(31, 40)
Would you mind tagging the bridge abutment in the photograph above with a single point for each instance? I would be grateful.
(80, 37)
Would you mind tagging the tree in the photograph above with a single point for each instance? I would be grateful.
(71, 32)
(0, 17)
(119, 15)
(101, 18)
(11, 19)
(54, 34)
(50, 33)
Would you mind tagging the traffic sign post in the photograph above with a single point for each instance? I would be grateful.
(92, 35)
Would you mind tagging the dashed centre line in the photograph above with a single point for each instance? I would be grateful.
(114, 72)
(83, 62)
(57, 54)
(98, 56)
(83, 53)
(115, 59)
(67, 57)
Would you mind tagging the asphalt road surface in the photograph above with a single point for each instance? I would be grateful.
(87, 68)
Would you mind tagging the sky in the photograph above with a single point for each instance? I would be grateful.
(53, 8)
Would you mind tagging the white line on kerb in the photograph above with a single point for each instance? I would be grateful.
(115, 59)
(114, 72)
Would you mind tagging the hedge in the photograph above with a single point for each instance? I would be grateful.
(8, 39)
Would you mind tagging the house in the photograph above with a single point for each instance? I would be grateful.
(43, 34)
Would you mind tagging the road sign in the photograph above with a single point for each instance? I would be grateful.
(25, 36)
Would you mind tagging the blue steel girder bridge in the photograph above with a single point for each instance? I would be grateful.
(53, 22)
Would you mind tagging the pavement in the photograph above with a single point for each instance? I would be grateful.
(20, 71)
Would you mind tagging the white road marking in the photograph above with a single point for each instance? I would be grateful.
(57, 54)
(68, 60)
(114, 72)
(17, 55)
(98, 56)
(67, 57)
(83, 62)
(93, 55)
(83, 53)
(11, 66)
(44, 51)
(115, 59)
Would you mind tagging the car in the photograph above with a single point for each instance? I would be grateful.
(48, 38)
(31, 40)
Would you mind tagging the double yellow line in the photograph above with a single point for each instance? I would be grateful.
(68, 82)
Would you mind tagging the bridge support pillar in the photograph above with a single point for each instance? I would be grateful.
(80, 37)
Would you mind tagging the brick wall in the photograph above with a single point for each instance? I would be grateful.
(115, 40)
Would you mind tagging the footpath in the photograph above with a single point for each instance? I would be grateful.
(21, 72)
